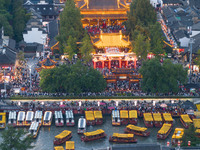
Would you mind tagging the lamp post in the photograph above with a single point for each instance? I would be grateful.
(191, 42)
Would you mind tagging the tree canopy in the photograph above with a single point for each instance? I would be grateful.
(75, 78)
(13, 18)
(162, 78)
(70, 27)
(14, 139)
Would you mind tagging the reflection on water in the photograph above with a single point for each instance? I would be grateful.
(46, 135)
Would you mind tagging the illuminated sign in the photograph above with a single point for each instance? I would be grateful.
(112, 50)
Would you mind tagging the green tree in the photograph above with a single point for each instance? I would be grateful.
(71, 48)
(86, 48)
(197, 59)
(190, 135)
(163, 78)
(14, 139)
(141, 46)
(70, 24)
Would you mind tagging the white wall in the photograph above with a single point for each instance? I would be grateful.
(34, 36)
(184, 42)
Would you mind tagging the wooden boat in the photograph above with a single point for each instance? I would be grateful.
(29, 118)
(20, 119)
(2, 120)
(89, 116)
(124, 117)
(98, 117)
(59, 122)
(177, 136)
(148, 120)
(62, 137)
(140, 131)
(69, 118)
(59, 148)
(196, 123)
(122, 138)
(133, 117)
(164, 131)
(38, 117)
(158, 122)
(70, 145)
(94, 135)
(185, 120)
(167, 117)
(81, 126)
(47, 119)
(34, 129)
(115, 118)
(12, 118)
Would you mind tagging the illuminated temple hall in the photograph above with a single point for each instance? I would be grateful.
(46, 64)
(103, 20)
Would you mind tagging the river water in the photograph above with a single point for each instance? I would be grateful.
(45, 138)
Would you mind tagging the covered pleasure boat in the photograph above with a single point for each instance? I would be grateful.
(122, 138)
(70, 145)
(12, 118)
(124, 117)
(177, 136)
(98, 117)
(34, 129)
(196, 123)
(148, 120)
(29, 118)
(59, 148)
(2, 120)
(164, 131)
(47, 119)
(59, 119)
(94, 135)
(115, 118)
(21, 119)
(133, 117)
(185, 120)
(89, 115)
(167, 117)
(69, 118)
(38, 117)
(62, 137)
(158, 122)
(140, 131)
(81, 126)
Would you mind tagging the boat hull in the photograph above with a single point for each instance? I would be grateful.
(85, 139)
(56, 142)
(144, 134)
(122, 140)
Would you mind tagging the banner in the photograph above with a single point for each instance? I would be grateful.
(112, 50)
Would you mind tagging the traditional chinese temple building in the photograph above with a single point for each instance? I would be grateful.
(46, 64)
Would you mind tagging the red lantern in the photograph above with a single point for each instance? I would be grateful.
(168, 143)
(189, 143)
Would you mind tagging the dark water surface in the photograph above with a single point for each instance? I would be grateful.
(46, 135)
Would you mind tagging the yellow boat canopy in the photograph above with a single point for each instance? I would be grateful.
(136, 128)
(186, 118)
(119, 135)
(124, 114)
(167, 117)
(196, 123)
(157, 117)
(63, 134)
(178, 133)
(98, 114)
(97, 132)
(89, 115)
(148, 117)
(3, 117)
(197, 113)
(133, 114)
(198, 106)
(59, 148)
(70, 145)
(165, 128)
(197, 131)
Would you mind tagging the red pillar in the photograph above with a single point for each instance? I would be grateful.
(102, 64)
(126, 63)
(109, 64)
(120, 62)
(135, 63)
(95, 64)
